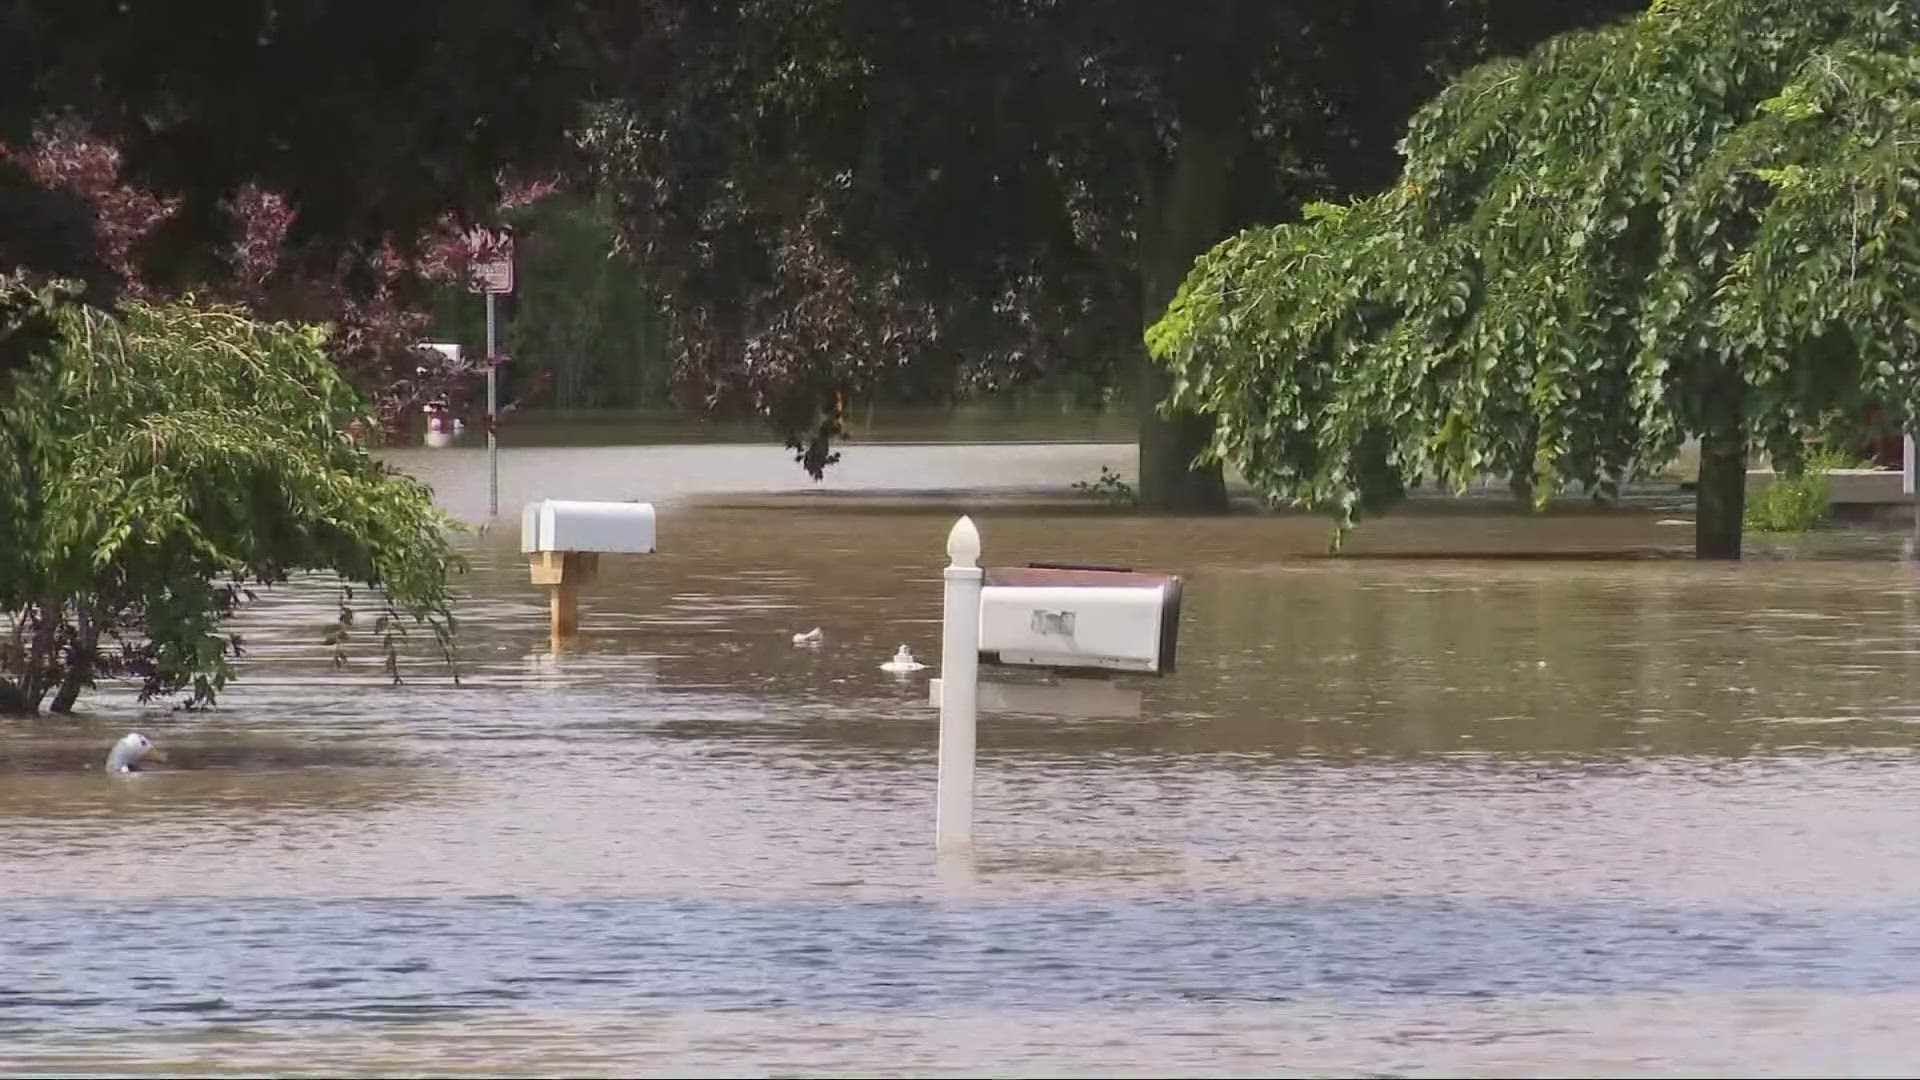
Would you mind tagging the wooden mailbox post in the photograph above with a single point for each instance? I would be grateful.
(563, 541)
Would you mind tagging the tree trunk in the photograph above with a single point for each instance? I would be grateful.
(1169, 480)
(76, 680)
(1720, 496)
(1187, 216)
(80, 659)
(1520, 481)
(22, 692)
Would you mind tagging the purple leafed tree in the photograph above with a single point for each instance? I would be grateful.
(373, 295)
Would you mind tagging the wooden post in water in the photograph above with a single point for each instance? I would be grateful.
(563, 542)
(563, 573)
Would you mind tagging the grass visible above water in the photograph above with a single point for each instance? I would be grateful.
(1795, 504)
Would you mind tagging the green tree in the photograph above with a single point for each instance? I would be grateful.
(1700, 222)
(581, 317)
(156, 466)
(839, 196)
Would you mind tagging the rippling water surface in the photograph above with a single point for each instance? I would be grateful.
(1395, 814)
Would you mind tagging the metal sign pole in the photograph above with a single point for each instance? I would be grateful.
(493, 278)
(493, 415)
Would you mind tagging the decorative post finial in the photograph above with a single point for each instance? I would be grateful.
(959, 693)
(963, 543)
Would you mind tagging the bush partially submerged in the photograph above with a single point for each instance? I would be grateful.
(159, 463)
(1797, 502)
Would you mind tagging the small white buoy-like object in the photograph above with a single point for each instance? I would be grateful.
(811, 637)
(903, 662)
(132, 749)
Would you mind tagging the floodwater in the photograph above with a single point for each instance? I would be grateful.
(1394, 814)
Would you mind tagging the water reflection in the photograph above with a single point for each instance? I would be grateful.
(1293, 656)
(972, 424)
(1491, 1036)
(1415, 809)
(382, 972)
(110, 801)
(670, 472)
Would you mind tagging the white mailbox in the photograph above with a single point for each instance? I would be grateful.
(613, 528)
(563, 542)
(1077, 620)
(1080, 618)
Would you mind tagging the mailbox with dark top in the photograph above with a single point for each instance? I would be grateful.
(1088, 622)
(1079, 618)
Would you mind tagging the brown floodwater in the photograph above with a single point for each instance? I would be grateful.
(1427, 809)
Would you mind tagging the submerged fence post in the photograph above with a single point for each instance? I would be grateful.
(1910, 478)
(959, 685)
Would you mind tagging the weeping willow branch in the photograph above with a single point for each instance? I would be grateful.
(1700, 222)
(172, 458)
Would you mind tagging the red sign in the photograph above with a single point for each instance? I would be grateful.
(492, 254)
(495, 276)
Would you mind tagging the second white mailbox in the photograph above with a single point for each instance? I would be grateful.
(613, 528)
(1088, 618)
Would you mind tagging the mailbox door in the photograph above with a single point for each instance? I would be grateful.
(1107, 628)
(530, 520)
(1088, 650)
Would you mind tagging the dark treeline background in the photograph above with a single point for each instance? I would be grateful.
(585, 332)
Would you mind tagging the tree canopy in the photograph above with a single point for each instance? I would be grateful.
(1699, 222)
(839, 195)
(374, 297)
(350, 129)
(582, 326)
(157, 464)
(371, 119)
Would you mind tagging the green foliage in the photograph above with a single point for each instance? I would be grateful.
(843, 198)
(1796, 503)
(582, 316)
(1800, 502)
(1699, 222)
(372, 121)
(1110, 488)
(160, 463)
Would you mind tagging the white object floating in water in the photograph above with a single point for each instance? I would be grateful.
(811, 637)
(1673, 521)
(903, 662)
(132, 749)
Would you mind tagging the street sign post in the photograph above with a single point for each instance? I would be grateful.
(494, 278)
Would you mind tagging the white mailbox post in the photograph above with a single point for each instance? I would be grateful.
(1910, 477)
(1085, 623)
(563, 541)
